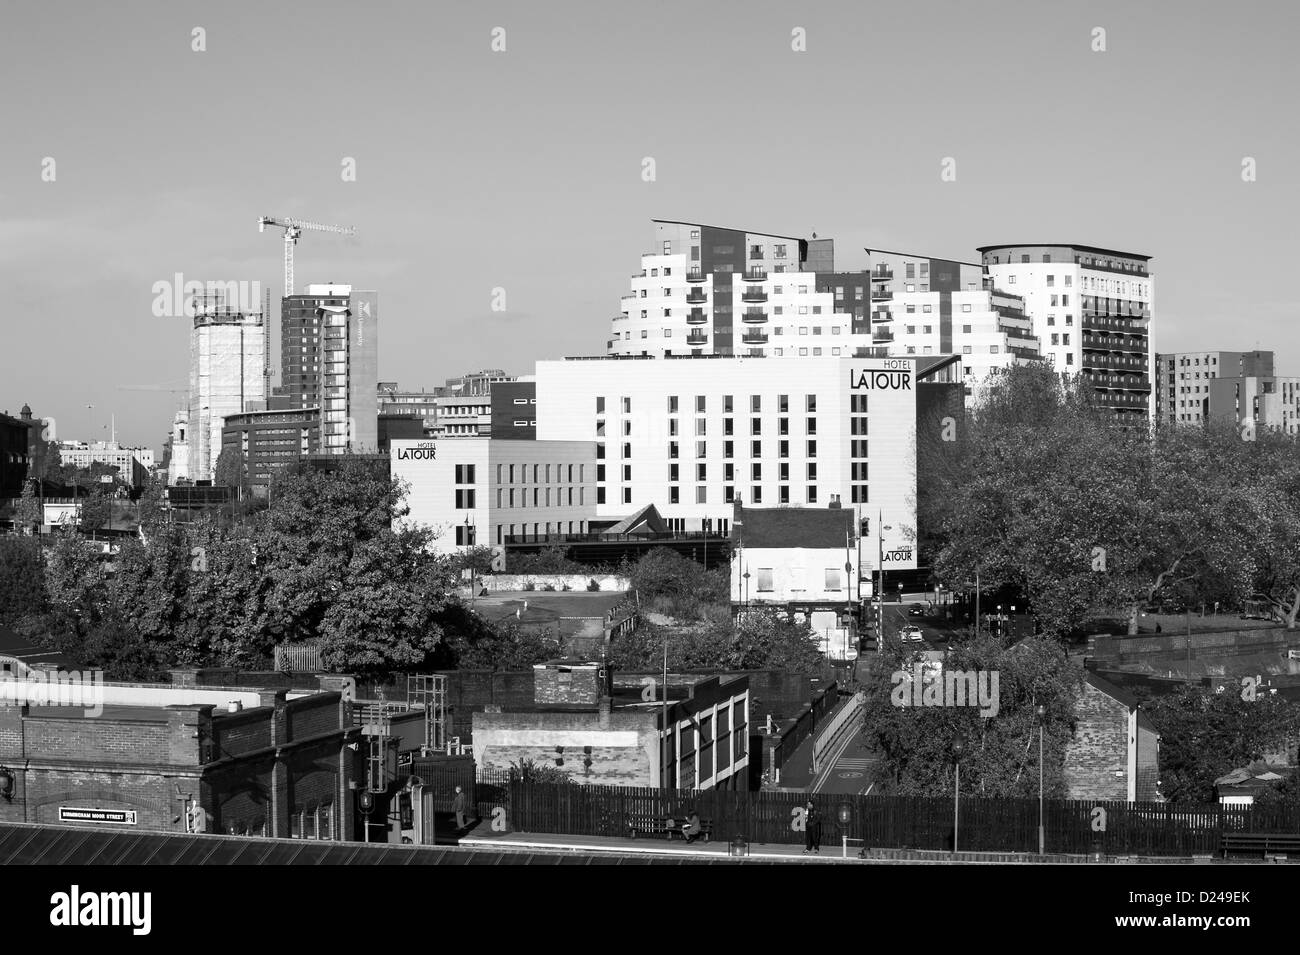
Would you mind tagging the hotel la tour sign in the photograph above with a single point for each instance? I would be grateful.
(893, 375)
(419, 451)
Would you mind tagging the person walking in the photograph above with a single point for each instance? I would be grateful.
(812, 829)
(458, 806)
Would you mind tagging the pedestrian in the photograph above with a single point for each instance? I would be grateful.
(812, 829)
(458, 806)
(691, 827)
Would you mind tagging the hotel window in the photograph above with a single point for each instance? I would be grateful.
(756, 495)
(695, 253)
(464, 499)
(965, 329)
(911, 288)
(764, 580)
(755, 425)
(803, 351)
(728, 425)
(926, 309)
(1069, 359)
(811, 425)
(1068, 280)
(1051, 319)
(756, 471)
(672, 404)
(911, 329)
(464, 535)
(627, 453)
(857, 425)
(701, 495)
(927, 329)
(803, 290)
(699, 425)
(778, 251)
(756, 449)
(701, 449)
(1011, 280)
(672, 473)
(1051, 281)
(782, 425)
(672, 426)
(910, 270)
(728, 449)
(755, 403)
(627, 405)
(911, 309)
(782, 404)
(600, 495)
(993, 349)
(783, 494)
(672, 449)
(701, 471)
(811, 447)
(627, 495)
(783, 449)
(964, 308)
(817, 310)
(600, 453)
(728, 472)
(783, 471)
(674, 495)
(627, 428)
(858, 404)
(1056, 339)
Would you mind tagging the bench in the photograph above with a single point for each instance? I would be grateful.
(1264, 843)
(667, 827)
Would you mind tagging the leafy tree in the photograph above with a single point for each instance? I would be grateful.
(229, 471)
(75, 577)
(678, 585)
(29, 515)
(553, 559)
(477, 559)
(761, 640)
(1204, 736)
(502, 647)
(915, 743)
(96, 510)
(22, 580)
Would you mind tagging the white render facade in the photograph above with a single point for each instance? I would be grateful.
(693, 435)
(481, 491)
(227, 364)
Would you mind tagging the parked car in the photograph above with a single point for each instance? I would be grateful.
(911, 634)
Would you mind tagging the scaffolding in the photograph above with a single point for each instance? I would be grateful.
(428, 691)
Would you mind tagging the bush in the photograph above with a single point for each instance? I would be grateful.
(528, 585)
(548, 588)
(565, 587)
(592, 585)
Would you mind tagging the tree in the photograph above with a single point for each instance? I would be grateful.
(502, 647)
(96, 510)
(229, 471)
(553, 559)
(1273, 506)
(761, 640)
(22, 580)
(75, 577)
(678, 585)
(29, 515)
(1204, 736)
(914, 743)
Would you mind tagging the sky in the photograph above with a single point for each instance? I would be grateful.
(522, 169)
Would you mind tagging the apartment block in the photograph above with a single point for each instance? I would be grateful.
(329, 359)
(1266, 402)
(1183, 380)
(268, 441)
(1091, 310)
(705, 290)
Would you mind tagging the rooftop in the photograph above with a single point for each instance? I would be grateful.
(1090, 249)
(703, 225)
(783, 527)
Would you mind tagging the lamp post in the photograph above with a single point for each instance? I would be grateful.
(469, 548)
(880, 563)
(367, 803)
(845, 813)
(958, 748)
(1041, 712)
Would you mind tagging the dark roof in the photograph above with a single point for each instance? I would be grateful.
(918, 256)
(27, 844)
(20, 648)
(1090, 249)
(818, 527)
(705, 225)
(927, 366)
(1111, 690)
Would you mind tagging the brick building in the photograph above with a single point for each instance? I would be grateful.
(699, 740)
(1115, 750)
(278, 769)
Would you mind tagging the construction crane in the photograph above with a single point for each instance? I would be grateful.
(293, 229)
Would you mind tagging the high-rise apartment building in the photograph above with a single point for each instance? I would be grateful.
(1262, 401)
(1091, 310)
(329, 359)
(704, 290)
(227, 371)
(1183, 380)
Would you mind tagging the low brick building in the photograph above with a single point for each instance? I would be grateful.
(1115, 752)
(700, 740)
(279, 769)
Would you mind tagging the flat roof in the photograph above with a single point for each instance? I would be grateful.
(705, 225)
(918, 255)
(1091, 249)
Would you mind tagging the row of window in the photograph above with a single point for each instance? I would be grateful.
(729, 494)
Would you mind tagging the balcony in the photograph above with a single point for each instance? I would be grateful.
(697, 316)
(882, 316)
(753, 295)
(1119, 343)
(882, 334)
(1114, 323)
(1123, 382)
(1121, 399)
(755, 275)
(754, 317)
(1127, 362)
(695, 276)
(754, 338)
(881, 274)
(881, 295)
(697, 338)
(696, 297)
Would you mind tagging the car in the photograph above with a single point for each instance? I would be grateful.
(911, 634)
(916, 611)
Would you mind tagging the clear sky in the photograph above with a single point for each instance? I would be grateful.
(522, 169)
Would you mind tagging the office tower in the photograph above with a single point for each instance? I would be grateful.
(227, 359)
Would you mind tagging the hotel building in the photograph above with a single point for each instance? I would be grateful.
(1091, 310)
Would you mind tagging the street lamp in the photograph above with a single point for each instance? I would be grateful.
(958, 748)
(1040, 711)
(367, 803)
(880, 563)
(469, 547)
(845, 814)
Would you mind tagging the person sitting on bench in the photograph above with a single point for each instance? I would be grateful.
(691, 828)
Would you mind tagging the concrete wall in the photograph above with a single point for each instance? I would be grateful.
(624, 746)
(516, 582)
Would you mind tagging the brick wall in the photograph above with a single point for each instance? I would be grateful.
(1099, 749)
(567, 685)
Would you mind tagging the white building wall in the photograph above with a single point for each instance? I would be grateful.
(227, 360)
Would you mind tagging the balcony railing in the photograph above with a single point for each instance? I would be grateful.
(881, 317)
(695, 275)
(753, 317)
(1122, 399)
(1114, 323)
(697, 338)
(1126, 382)
(1115, 343)
(696, 297)
(755, 275)
(882, 334)
(881, 274)
(696, 316)
(881, 295)
(753, 295)
(754, 338)
(1118, 362)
